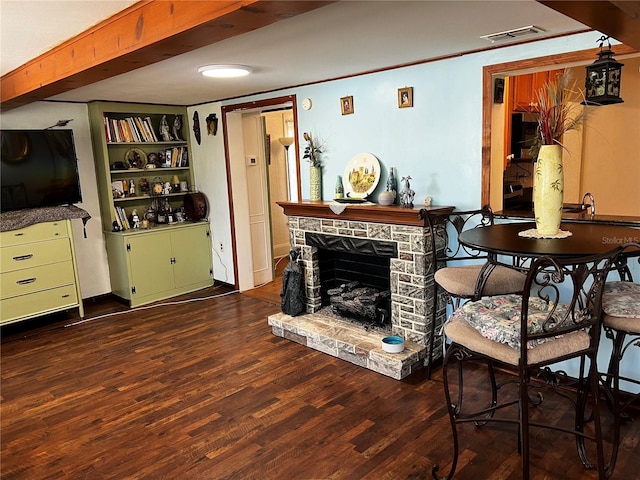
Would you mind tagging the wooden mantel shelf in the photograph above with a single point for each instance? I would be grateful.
(392, 214)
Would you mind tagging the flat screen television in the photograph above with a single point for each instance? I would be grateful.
(38, 168)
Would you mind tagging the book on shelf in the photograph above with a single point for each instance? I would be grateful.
(122, 215)
(129, 129)
(117, 217)
(151, 129)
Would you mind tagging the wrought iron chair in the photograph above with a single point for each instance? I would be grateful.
(462, 273)
(621, 306)
(557, 317)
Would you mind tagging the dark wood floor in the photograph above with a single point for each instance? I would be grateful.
(203, 390)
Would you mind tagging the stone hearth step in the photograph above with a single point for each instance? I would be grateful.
(348, 341)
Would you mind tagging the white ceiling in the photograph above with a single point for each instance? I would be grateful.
(337, 40)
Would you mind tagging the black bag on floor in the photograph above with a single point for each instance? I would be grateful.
(293, 301)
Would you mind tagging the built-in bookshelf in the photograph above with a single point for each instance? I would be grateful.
(144, 170)
(139, 148)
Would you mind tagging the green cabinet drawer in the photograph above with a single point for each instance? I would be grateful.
(34, 233)
(29, 280)
(18, 308)
(18, 257)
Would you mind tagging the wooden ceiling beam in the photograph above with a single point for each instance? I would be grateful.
(145, 33)
(619, 20)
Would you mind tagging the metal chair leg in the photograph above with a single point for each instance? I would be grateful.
(453, 411)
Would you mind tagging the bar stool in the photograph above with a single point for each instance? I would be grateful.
(621, 306)
(463, 274)
(526, 334)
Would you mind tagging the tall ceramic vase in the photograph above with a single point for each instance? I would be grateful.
(315, 183)
(548, 190)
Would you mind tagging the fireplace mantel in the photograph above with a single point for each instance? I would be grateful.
(368, 212)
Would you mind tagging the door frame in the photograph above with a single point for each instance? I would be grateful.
(246, 107)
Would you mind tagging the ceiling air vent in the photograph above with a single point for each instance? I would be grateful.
(513, 34)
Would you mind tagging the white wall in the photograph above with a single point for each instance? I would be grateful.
(93, 268)
(211, 179)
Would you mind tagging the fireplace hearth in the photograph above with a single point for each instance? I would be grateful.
(363, 237)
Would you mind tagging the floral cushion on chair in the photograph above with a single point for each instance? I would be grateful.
(498, 318)
(621, 299)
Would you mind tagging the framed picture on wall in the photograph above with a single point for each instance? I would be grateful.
(405, 97)
(346, 105)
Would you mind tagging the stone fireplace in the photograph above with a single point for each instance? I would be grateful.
(392, 233)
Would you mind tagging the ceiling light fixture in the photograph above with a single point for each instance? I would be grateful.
(513, 34)
(224, 71)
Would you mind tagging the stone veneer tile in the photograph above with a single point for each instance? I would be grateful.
(310, 224)
(398, 265)
(358, 225)
(412, 291)
(406, 256)
(379, 231)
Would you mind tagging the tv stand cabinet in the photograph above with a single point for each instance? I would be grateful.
(38, 272)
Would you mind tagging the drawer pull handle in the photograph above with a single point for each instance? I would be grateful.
(23, 257)
(18, 234)
(65, 296)
(26, 281)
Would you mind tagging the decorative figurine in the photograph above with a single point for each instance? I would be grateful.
(212, 124)
(166, 190)
(135, 219)
(177, 125)
(406, 194)
(175, 184)
(164, 130)
(143, 183)
(132, 188)
(392, 184)
(152, 161)
(150, 215)
(196, 126)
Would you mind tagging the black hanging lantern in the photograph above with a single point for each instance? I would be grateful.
(602, 85)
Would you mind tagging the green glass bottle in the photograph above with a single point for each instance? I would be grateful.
(339, 187)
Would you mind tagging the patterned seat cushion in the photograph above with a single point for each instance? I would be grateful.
(498, 318)
(621, 299)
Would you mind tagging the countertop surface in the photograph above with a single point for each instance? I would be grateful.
(628, 221)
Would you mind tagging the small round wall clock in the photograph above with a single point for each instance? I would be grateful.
(307, 104)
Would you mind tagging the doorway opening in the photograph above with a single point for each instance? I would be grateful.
(263, 168)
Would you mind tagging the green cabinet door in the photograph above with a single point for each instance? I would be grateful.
(150, 264)
(191, 249)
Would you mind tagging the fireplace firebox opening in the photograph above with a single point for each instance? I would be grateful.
(356, 286)
(355, 276)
